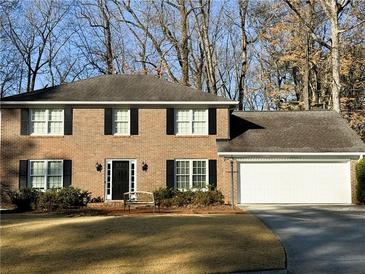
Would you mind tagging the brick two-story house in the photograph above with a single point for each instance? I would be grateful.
(113, 134)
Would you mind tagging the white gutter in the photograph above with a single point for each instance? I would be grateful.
(360, 154)
(118, 103)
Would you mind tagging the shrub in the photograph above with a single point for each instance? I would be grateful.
(165, 197)
(360, 176)
(64, 198)
(206, 198)
(48, 200)
(24, 199)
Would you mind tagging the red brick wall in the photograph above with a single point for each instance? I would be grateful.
(89, 145)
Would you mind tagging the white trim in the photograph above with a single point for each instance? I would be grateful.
(118, 102)
(191, 173)
(110, 161)
(45, 175)
(129, 122)
(292, 153)
(191, 122)
(30, 122)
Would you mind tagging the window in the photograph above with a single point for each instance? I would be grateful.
(121, 122)
(45, 174)
(191, 174)
(191, 121)
(47, 121)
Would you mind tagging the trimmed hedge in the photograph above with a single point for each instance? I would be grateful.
(50, 200)
(24, 200)
(360, 176)
(168, 197)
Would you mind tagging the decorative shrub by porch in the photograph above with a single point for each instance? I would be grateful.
(52, 199)
(360, 176)
(64, 198)
(167, 197)
(25, 199)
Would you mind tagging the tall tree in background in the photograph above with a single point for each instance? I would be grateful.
(243, 6)
(31, 36)
(268, 55)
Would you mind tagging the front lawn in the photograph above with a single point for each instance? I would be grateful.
(134, 244)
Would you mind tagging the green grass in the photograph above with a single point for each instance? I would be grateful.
(139, 244)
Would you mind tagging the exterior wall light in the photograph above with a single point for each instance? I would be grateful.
(98, 167)
(144, 166)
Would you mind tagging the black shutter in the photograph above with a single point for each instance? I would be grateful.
(170, 173)
(24, 125)
(213, 173)
(67, 173)
(134, 121)
(170, 121)
(23, 174)
(68, 120)
(212, 121)
(108, 123)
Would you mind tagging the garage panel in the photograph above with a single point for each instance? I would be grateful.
(294, 182)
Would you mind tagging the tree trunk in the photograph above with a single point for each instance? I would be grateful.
(107, 37)
(184, 43)
(332, 10)
(243, 4)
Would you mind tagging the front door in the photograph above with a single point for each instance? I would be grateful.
(120, 179)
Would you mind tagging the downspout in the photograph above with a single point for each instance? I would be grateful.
(232, 184)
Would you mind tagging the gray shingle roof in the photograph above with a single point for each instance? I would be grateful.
(119, 88)
(301, 131)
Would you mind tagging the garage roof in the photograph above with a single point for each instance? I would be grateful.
(297, 131)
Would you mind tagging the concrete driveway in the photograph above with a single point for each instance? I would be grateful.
(318, 239)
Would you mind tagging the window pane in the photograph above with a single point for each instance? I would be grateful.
(55, 168)
(199, 127)
(39, 127)
(182, 167)
(37, 182)
(55, 127)
(37, 168)
(54, 182)
(199, 174)
(182, 127)
(182, 182)
(182, 174)
(121, 121)
(121, 128)
(38, 114)
(199, 115)
(55, 115)
(121, 115)
(182, 115)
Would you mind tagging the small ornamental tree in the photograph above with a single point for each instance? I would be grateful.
(360, 176)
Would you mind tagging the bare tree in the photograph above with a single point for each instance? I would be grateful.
(31, 39)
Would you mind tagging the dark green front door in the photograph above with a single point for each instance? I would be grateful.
(120, 179)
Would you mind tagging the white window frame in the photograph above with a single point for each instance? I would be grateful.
(109, 178)
(191, 174)
(191, 133)
(45, 176)
(47, 122)
(129, 122)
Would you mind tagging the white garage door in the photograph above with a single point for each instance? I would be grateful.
(294, 182)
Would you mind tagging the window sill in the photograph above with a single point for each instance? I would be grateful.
(122, 136)
(191, 136)
(45, 136)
